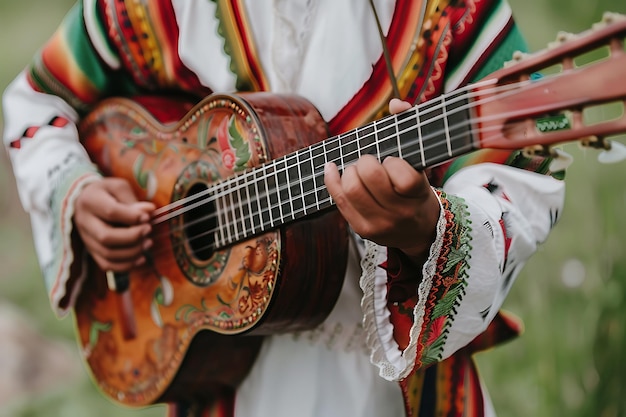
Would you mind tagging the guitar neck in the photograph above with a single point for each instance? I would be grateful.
(292, 186)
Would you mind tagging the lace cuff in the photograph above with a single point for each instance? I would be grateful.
(393, 360)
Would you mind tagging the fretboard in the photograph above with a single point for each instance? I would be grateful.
(292, 187)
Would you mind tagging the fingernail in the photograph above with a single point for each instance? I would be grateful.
(140, 261)
(144, 217)
(147, 244)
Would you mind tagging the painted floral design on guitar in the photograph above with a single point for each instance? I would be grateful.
(247, 294)
(235, 150)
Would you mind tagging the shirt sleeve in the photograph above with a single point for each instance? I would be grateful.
(42, 107)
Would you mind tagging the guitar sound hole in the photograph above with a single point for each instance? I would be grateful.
(200, 223)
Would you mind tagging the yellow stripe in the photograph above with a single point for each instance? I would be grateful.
(151, 51)
(413, 64)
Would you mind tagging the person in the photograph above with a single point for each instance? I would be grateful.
(433, 253)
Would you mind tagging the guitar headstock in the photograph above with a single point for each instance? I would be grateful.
(574, 90)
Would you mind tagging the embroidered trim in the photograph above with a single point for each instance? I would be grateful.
(394, 364)
(122, 32)
(449, 281)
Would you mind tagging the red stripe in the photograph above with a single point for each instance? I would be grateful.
(466, 26)
(59, 121)
(474, 400)
(30, 132)
(184, 77)
(376, 92)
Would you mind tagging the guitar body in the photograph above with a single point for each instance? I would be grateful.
(190, 322)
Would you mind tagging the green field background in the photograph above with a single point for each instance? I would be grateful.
(570, 361)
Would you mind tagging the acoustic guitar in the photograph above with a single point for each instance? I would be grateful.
(247, 240)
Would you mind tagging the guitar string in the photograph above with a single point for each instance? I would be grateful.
(166, 210)
(229, 191)
(166, 213)
(249, 217)
(265, 212)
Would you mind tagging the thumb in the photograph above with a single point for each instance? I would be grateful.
(397, 106)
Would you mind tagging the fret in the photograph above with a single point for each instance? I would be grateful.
(461, 139)
(386, 134)
(230, 213)
(398, 138)
(252, 198)
(234, 217)
(283, 190)
(293, 185)
(242, 206)
(272, 194)
(432, 132)
(221, 219)
(349, 148)
(237, 212)
(331, 148)
(409, 138)
(419, 137)
(307, 181)
(263, 199)
(445, 129)
(342, 164)
(366, 139)
(319, 159)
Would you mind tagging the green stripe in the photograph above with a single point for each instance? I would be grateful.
(85, 56)
(502, 53)
(513, 42)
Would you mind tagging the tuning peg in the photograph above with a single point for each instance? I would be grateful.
(561, 38)
(515, 58)
(560, 160)
(614, 152)
(611, 17)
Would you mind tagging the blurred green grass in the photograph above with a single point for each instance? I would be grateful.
(570, 295)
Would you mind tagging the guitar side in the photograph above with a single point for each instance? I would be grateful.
(197, 312)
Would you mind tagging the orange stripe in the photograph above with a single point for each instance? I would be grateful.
(58, 60)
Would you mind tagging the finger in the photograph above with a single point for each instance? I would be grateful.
(117, 266)
(110, 236)
(118, 253)
(397, 106)
(117, 258)
(337, 186)
(378, 188)
(332, 180)
(406, 181)
(107, 207)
